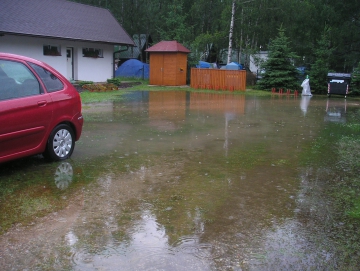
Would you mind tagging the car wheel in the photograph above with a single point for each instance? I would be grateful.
(60, 143)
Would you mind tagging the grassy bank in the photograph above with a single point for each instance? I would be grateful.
(135, 84)
(336, 183)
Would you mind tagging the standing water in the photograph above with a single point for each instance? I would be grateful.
(183, 181)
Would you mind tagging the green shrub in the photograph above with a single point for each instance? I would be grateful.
(115, 81)
(81, 83)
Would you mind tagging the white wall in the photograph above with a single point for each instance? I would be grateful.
(94, 69)
(256, 60)
(85, 68)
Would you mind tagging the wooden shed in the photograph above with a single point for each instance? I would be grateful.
(168, 63)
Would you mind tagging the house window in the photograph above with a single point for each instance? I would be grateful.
(52, 50)
(92, 52)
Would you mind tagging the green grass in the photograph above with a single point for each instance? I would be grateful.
(96, 97)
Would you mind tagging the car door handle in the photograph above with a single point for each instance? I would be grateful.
(42, 103)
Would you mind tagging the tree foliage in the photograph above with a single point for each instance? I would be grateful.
(280, 71)
(355, 81)
(321, 65)
(204, 24)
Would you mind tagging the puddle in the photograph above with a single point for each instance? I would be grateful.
(178, 181)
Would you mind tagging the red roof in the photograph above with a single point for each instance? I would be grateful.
(168, 46)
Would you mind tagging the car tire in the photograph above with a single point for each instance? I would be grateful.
(60, 144)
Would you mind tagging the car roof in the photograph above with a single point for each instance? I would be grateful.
(29, 59)
(20, 57)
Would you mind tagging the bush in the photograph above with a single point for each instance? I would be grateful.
(81, 83)
(115, 81)
(100, 87)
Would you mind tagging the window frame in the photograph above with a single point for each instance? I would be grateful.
(40, 71)
(51, 50)
(20, 77)
(92, 52)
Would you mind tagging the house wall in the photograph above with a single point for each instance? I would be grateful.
(181, 69)
(85, 68)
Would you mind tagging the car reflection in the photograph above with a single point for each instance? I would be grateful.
(335, 111)
(63, 175)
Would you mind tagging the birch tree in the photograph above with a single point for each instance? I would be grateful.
(231, 31)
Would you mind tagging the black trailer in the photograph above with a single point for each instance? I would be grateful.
(338, 83)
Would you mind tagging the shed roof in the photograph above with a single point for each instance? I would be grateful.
(168, 46)
(61, 19)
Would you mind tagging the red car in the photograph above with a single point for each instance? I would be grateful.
(40, 110)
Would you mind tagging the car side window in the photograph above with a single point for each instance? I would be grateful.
(51, 82)
(16, 81)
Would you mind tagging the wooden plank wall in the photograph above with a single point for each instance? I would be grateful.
(168, 69)
(218, 79)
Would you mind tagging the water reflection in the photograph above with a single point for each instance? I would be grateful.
(335, 110)
(179, 181)
(63, 175)
(304, 103)
(147, 248)
(167, 111)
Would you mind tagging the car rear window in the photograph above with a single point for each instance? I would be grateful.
(51, 82)
(16, 81)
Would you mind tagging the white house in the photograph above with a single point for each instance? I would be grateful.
(76, 39)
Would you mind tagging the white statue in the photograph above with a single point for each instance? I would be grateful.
(306, 87)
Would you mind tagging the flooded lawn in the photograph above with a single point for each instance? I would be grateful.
(186, 181)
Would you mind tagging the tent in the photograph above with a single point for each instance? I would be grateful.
(233, 66)
(206, 65)
(133, 68)
(203, 65)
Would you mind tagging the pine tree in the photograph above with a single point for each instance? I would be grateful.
(279, 69)
(320, 68)
(355, 81)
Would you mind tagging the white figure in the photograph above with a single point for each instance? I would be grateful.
(306, 87)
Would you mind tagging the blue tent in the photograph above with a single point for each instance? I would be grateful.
(233, 66)
(133, 68)
(203, 65)
(207, 65)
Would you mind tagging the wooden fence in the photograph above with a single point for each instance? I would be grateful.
(218, 79)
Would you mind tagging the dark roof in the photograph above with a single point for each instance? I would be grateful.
(61, 19)
(168, 46)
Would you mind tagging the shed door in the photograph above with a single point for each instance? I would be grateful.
(156, 69)
(169, 74)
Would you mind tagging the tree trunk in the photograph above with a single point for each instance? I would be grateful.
(231, 31)
(241, 36)
(140, 48)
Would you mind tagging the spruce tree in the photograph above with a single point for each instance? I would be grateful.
(279, 69)
(355, 81)
(320, 68)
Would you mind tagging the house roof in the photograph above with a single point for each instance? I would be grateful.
(61, 19)
(168, 46)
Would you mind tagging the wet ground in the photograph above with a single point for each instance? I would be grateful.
(177, 181)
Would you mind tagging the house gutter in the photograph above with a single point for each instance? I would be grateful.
(116, 52)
